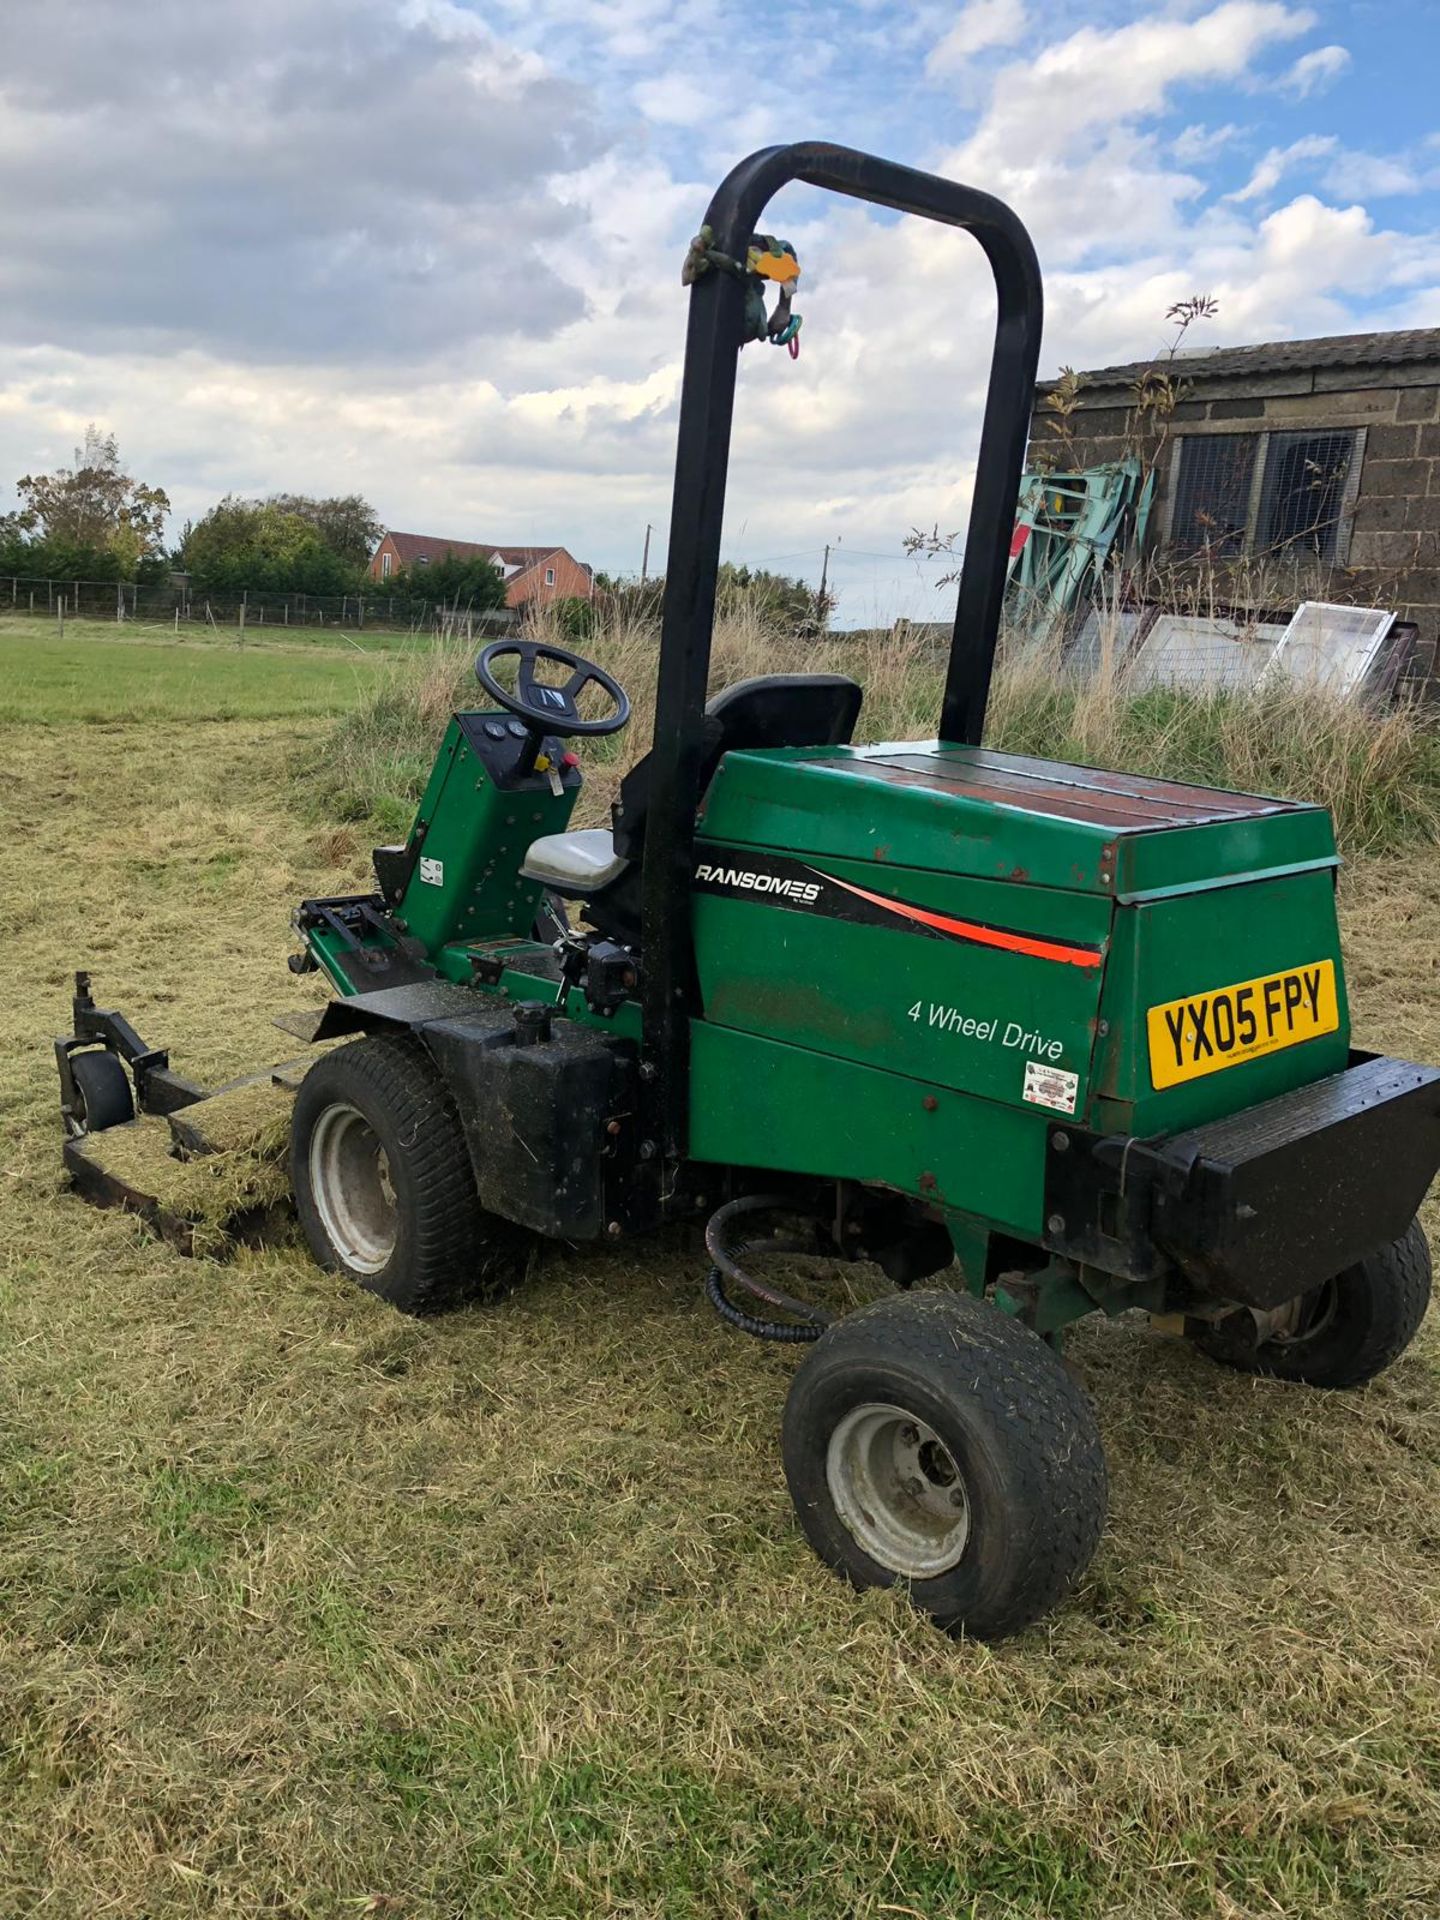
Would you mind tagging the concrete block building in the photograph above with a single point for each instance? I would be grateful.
(1302, 469)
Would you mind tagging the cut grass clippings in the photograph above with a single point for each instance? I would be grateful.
(307, 1610)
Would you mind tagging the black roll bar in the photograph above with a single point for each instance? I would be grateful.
(702, 457)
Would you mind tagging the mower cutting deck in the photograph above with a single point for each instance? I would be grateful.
(919, 1003)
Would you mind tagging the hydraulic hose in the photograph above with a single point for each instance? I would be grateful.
(806, 1322)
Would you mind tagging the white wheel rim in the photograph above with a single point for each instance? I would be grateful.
(898, 1490)
(350, 1181)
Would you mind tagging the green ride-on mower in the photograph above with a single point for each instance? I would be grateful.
(1074, 1040)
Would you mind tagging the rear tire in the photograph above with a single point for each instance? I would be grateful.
(932, 1442)
(384, 1185)
(103, 1096)
(1348, 1329)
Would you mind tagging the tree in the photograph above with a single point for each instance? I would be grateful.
(94, 508)
(347, 523)
(475, 586)
(793, 605)
(255, 545)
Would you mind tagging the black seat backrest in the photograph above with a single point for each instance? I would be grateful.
(776, 710)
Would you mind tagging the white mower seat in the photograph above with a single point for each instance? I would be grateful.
(574, 864)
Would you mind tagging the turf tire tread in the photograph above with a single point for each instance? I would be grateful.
(1020, 1387)
(458, 1252)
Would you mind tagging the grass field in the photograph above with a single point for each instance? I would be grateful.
(97, 672)
(312, 1611)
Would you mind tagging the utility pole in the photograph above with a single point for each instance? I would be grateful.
(645, 557)
(820, 596)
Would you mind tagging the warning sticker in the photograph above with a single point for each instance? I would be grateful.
(432, 872)
(1053, 1087)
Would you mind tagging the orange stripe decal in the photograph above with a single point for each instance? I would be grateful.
(1029, 943)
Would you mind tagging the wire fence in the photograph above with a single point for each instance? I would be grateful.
(174, 602)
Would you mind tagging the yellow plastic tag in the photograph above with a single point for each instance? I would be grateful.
(781, 267)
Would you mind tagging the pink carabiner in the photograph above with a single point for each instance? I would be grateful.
(793, 343)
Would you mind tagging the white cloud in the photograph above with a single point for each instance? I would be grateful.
(1374, 176)
(1313, 72)
(1279, 161)
(980, 25)
(675, 100)
(423, 263)
(1350, 175)
(1195, 144)
(1065, 137)
(1104, 76)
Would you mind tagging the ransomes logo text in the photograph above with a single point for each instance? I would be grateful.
(805, 892)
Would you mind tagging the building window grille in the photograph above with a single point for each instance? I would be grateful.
(1259, 494)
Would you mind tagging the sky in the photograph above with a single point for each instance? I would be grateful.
(430, 251)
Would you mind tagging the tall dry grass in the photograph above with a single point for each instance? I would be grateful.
(1377, 770)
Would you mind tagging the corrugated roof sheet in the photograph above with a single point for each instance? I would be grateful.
(1400, 348)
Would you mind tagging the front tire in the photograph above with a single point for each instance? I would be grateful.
(932, 1442)
(384, 1185)
(103, 1097)
(1346, 1330)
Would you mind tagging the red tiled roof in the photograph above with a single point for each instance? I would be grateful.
(434, 546)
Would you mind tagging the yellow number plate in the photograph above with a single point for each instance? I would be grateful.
(1209, 1031)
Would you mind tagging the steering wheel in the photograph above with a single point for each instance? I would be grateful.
(546, 708)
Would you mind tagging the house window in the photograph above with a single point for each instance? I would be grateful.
(385, 566)
(549, 576)
(1235, 495)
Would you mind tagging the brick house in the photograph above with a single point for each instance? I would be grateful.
(534, 576)
(1312, 466)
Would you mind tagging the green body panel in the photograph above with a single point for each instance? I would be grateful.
(1194, 943)
(479, 836)
(760, 1103)
(949, 1014)
(829, 800)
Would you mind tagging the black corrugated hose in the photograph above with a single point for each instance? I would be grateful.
(806, 1323)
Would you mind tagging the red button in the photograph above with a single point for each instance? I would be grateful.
(569, 759)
